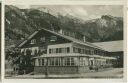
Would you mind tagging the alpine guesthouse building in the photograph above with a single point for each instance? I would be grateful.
(64, 52)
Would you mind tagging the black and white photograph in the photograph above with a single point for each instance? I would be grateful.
(64, 41)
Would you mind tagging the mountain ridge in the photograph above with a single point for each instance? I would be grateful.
(20, 23)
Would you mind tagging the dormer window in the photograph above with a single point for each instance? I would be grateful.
(33, 41)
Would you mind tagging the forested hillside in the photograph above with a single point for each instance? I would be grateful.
(20, 23)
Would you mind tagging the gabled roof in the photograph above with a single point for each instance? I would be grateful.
(25, 41)
(111, 46)
(61, 35)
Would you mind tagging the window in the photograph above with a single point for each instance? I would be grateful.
(81, 62)
(86, 51)
(68, 49)
(50, 51)
(85, 61)
(98, 52)
(51, 61)
(72, 62)
(42, 39)
(40, 62)
(54, 50)
(57, 50)
(75, 50)
(64, 50)
(56, 61)
(69, 61)
(60, 50)
(79, 50)
(53, 38)
(59, 62)
(33, 41)
(35, 52)
(89, 52)
(92, 52)
(43, 62)
(65, 61)
(91, 63)
(82, 51)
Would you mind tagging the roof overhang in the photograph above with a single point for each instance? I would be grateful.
(73, 55)
(61, 35)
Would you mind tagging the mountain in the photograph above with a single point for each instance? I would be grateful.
(106, 28)
(20, 23)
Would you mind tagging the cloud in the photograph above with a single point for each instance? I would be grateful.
(23, 6)
(116, 10)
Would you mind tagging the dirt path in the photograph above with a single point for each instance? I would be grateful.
(110, 73)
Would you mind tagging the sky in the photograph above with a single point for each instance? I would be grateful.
(84, 12)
